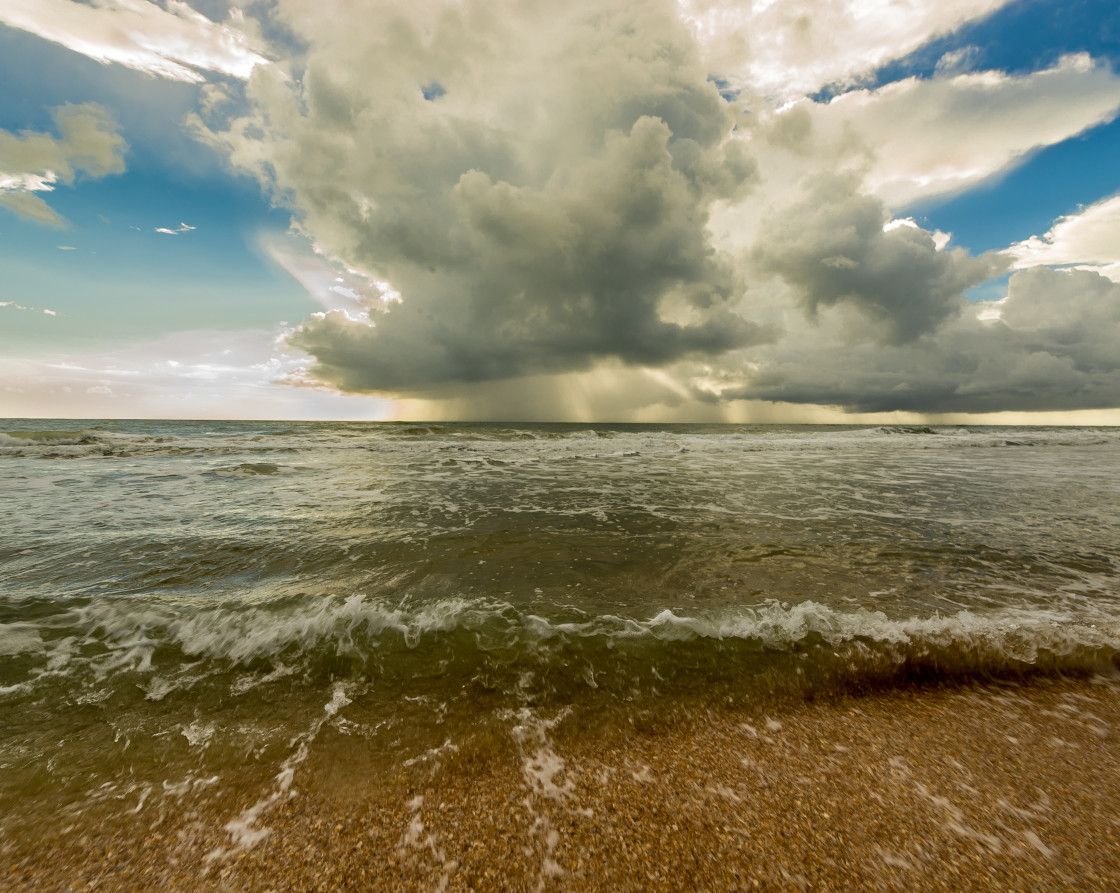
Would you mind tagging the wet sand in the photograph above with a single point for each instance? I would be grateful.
(981, 787)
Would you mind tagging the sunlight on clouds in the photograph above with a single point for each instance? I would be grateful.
(605, 209)
(787, 49)
(929, 137)
(327, 281)
(1089, 239)
(168, 42)
(554, 230)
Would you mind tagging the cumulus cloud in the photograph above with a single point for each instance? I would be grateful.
(1089, 238)
(499, 203)
(1052, 344)
(547, 210)
(836, 246)
(88, 144)
(171, 40)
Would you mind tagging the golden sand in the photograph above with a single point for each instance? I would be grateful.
(994, 787)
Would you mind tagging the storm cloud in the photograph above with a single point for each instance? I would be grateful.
(1052, 344)
(517, 192)
(534, 216)
(836, 245)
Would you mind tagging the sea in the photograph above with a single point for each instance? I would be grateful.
(195, 607)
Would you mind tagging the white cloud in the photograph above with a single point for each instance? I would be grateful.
(170, 40)
(181, 228)
(560, 197)
(30, 162)
(16, 306)
(790, 48)
(928, 137)
(1089, 239)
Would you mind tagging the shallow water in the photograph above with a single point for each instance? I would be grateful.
(180, 598)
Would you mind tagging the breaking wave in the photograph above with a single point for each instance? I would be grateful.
(497, 646)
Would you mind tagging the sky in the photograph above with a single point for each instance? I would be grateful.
(618, 210)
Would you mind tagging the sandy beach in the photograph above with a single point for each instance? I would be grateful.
(984, 787)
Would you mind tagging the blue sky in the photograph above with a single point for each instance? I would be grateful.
(492, 211)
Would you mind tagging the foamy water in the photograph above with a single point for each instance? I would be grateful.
(175, 595)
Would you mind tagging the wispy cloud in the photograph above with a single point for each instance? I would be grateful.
(14, 306)
(790, 48)
(171, 40)
(181, 228)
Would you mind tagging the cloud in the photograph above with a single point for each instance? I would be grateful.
(29, 205)
(926, 137)
(30, 162)
(170, 40)
(836, 246)
(1052, 344)
(15, 306)
(327, 281)
(499, 204)
(546, 212)
(787, 49)
(181, 228)
(1089, 238)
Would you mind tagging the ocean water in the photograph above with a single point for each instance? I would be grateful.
(184, 605)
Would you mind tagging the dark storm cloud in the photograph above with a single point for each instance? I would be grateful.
(533, 219)
(833, 248)
(1055, 346)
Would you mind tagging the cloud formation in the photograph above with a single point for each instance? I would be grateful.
(1089, 238)
(1052, 344)
(547, 210)
(175, 231)
(88, 144)
(531, 208)
(787, 49)
(171, 40)
(502, 197)
(836, 246)
(926, 137)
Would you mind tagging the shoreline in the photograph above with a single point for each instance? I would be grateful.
(1009, 785)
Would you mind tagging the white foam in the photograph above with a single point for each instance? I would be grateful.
(19, 638)
(540, 765)
(245, 830)
(198, 734)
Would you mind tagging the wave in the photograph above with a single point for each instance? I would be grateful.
(461, 642)
(150, 439)
(48, 438)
